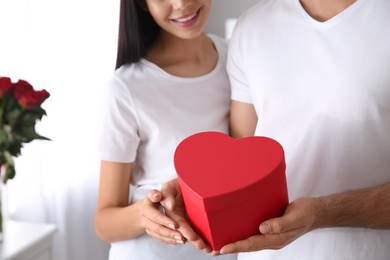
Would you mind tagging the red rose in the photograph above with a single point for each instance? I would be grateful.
(20, 109)
(6, 85)
(31, 98)
(20, 87)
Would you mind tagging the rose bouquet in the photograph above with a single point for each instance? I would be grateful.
(20, 109)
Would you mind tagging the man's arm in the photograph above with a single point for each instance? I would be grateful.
(367, 208)
(243, 119)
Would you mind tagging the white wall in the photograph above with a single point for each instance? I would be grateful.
(224, 9)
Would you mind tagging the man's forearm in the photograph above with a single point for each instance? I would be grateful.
(366, 208)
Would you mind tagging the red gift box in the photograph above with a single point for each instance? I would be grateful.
(230, 186)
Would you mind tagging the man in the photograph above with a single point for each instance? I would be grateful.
(314, 75)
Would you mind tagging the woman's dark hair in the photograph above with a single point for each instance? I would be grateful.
(137, 30)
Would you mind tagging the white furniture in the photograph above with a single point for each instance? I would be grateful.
(27, 241)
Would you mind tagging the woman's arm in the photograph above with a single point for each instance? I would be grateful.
(115, 219)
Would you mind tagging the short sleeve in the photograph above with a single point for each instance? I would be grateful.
(236, 68)
(118, 136)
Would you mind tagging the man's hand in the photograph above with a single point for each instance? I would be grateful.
(365, 208)
(276, 233)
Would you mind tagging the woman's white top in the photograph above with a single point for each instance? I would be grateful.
(146, 113)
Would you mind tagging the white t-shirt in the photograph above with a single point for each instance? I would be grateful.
(323, 91)
(146, 114)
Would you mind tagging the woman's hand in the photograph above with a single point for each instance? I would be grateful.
(164, 217)
(156, 222)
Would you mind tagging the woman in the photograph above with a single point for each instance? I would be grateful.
(170, 82)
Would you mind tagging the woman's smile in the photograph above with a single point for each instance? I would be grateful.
(187, 20)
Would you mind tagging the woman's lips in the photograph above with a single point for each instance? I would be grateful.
(188, 20)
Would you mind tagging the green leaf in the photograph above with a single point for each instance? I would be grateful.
(9, 172)
(2, 160)
(6, 99)
(28, 133)
(15, 148)
(3, 136)
(40, 137)
(39, 111)
(8, 158)
(28, 119)
(13, 115)
(10, 102)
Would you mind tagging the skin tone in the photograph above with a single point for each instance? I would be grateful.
(168, 225)
(181, 49)
(325, 10)
(366, 208)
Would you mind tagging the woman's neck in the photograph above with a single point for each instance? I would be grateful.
(184, 58)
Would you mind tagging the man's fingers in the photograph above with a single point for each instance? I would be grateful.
(261, 242)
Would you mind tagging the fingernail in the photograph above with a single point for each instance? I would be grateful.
(168, 204)
(171, 226)
(265, 228)
(179, 240)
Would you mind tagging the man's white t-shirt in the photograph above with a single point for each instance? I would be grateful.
(322, 89)
(146, 114)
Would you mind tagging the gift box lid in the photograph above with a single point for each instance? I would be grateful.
(218, 171)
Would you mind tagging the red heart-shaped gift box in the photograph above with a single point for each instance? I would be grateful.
(230, 186)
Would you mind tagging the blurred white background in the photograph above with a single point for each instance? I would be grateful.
(67, 47)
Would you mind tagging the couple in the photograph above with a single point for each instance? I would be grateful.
(311, 74)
